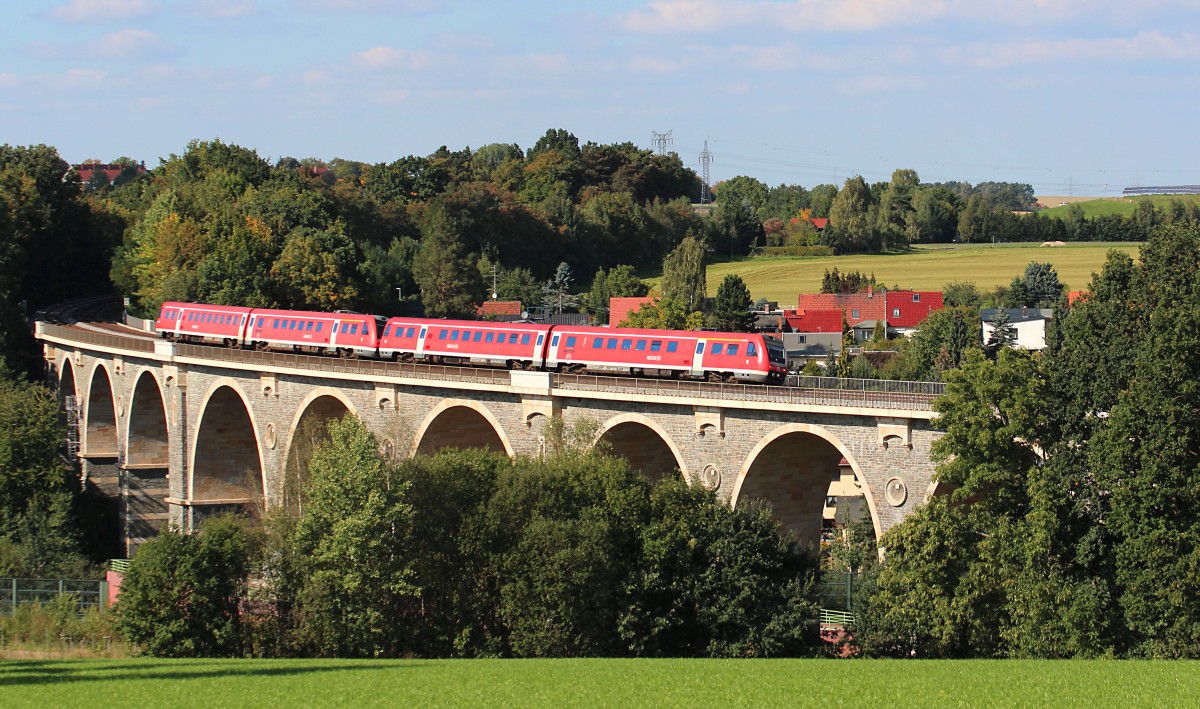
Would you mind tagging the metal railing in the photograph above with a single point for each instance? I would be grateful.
(832, 617)
(16, 592)
(103, 339)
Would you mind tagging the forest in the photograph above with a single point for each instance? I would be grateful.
(1066, 523)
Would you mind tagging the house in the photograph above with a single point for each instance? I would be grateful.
(111, 172)
(620, 308)
(501, 310)
(1030, 324)
(902, 311)
(810, 334)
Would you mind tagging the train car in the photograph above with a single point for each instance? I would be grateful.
(341, 333)
(511, 345)
(201, 323)
(715, 356)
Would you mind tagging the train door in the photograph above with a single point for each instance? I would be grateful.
(420, 348)
(698, 359)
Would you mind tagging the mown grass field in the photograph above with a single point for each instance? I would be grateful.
(921, 268)
(1117, 205)
(596, 682)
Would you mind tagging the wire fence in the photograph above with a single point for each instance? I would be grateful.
(15, 592)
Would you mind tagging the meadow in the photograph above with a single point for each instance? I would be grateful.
(927, 267)
(597, 683)
(1124, 206)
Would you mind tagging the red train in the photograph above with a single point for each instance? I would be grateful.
(715, 356)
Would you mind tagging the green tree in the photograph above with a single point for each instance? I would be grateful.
(685, 274)
(180, 595)
(450, 284)
(352, 535)
(731, 308)
(618, 282)
(853, 226)
(519, 284)
(1003, 332)
(665, 314)
(318, 270)
(556, 294)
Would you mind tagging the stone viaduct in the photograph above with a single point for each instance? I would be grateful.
(177, 432)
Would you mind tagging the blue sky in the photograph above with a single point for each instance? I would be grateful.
(1073, 96)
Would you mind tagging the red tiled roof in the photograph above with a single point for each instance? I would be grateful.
(620, 308)
(912, 306)
(820, 222)
(1074, 296)
(815, 320)
(868, 307)
(500, 307)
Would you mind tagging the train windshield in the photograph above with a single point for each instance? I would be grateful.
(775, 352)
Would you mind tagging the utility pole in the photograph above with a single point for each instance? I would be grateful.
(494, 275)
(661, 141)
(706, 159)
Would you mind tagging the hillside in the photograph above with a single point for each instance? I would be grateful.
(1123, 206)
(922, 268)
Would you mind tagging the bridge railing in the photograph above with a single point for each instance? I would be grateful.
(820, 391)
(828, 396)
(103, 339)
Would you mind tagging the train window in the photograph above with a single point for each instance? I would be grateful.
(641, 345)
(731, 350)
(491, 336)
(715, 349)
(570, 340)
(598, 343)
(441, 334)
(319, 326)
(751, 350)
(539, 340)
(612, 343)
(454, 334)
(385, 330)
(512, 338)
(699, 348)
(554, 341)
(672, 346)
(275, 324)
(655, 345)
(422, 332)
(626, 344)
(466, 335)
(354, 329)
(525, 339)
(409, 332)
(478, 336)
(308, 326)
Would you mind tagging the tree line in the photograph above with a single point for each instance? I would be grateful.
(1068, 520)
(470, 554)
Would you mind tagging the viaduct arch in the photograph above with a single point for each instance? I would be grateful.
(647, 446)
(461, 423)
(227, 468)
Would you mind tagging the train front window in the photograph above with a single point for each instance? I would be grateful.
(751, 350)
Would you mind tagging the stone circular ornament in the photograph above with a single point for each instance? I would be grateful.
(710, 477)
(272, 439)
(895, 491)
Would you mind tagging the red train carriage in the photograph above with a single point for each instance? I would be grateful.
(512, 345)
(197, 322)
(342, 333)
(716, 356)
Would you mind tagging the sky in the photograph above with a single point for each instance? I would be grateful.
(1080, 97)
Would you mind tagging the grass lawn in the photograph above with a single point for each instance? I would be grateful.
(1118, 205)
(612, 683)
(922, 268)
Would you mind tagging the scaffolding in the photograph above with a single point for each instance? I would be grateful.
(72, 407)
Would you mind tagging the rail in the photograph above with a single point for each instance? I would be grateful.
(819, 391)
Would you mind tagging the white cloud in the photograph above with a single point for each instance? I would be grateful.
(223, 8)
(1151, 46)
(89, 10)
(387, 57)
(372, 6)
(9, 81)
(132, 44)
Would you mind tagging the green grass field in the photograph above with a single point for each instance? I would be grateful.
(922, 268)
(1117, 205)
(592, 682)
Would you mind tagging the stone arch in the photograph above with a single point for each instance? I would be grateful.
(791, 468)
(309, 430)
(66, 378)
(227, 463)
(644, 443)
(147, 442)
(100, 422)
(461, 423)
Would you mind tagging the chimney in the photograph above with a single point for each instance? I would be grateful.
(870, 291)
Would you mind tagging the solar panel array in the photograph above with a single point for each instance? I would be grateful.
(1170, 189)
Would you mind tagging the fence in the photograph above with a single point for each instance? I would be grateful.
(15, 592)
